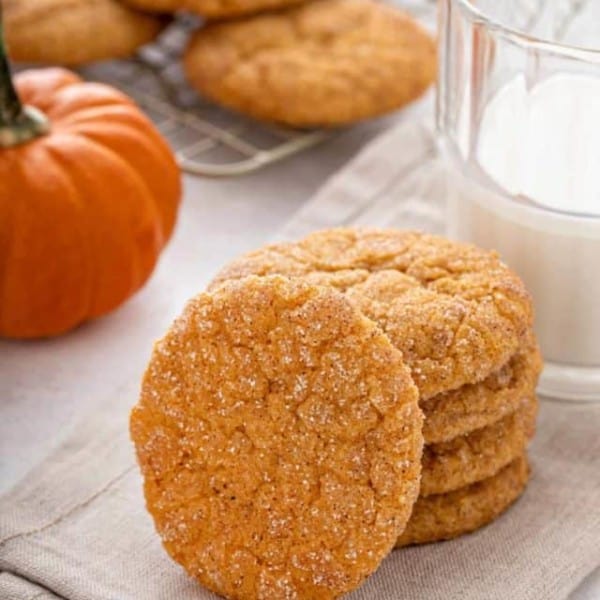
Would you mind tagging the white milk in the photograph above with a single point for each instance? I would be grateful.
(544, 146)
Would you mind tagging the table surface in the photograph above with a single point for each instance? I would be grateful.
(47, 386)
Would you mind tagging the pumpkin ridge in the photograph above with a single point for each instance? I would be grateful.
(86, 248)
(82, 181)
(67, 101)
(155, 151)
(46, 311)
(157, 185)
(38, 87)
(13, 219)
(138, 271)
(114, 110)
(142, 270)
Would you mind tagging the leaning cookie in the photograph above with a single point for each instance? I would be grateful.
(73, 32)
(212, 9)
(443, 517)
(324, 63)
(451, 465)
(470, 407)
(279, 436)
(457, 312)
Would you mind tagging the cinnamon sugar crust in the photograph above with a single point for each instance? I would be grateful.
(456, 312)
(279, 436)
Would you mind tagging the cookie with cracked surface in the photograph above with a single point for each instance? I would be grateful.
(73, 32)
(451, 465)
(324, 63)
(279, 436)
(478, 405)
(443, 517)
(213, 9)
(457, 312)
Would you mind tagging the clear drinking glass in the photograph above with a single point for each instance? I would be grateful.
(518, 113)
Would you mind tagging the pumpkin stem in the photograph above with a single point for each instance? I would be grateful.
(18, 123)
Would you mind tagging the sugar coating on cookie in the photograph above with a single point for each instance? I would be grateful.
(279, 436)
(443, 517)
(479, 454)
(213, 9)
(473, 406)
(457, 312)
(323, 63)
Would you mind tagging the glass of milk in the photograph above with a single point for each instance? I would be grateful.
(518, 112)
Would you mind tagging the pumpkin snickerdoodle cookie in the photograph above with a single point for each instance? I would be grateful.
(447, 516)
(455, 311)
(323, 63)
(73, 32)
(478, 455)
(212, 9)
(279, 436)
(473, 406)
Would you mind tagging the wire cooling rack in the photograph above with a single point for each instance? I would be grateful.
(207, 139)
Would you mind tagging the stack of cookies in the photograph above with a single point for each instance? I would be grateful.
(303, 64)
(329, 399)
(463, 322)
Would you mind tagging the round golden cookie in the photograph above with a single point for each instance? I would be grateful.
(324, 63)
(470, 407)
(448, 466)
(279, 436)
(457, 312)
(212, 9)
(73, 32)
(443, 517)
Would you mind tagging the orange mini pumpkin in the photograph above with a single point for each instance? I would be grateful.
(89, 192)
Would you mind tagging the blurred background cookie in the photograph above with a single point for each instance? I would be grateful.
(212, 9)
(324, 63)
(74, 32)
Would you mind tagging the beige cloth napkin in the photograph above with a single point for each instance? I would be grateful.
(76, 528)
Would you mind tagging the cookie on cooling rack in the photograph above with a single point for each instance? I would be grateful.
(457, 312)
(279, 435)
(74, 32)
(213, 9)
(446, 516)
(324, 63)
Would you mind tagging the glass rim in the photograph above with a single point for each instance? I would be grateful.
(523, 38)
